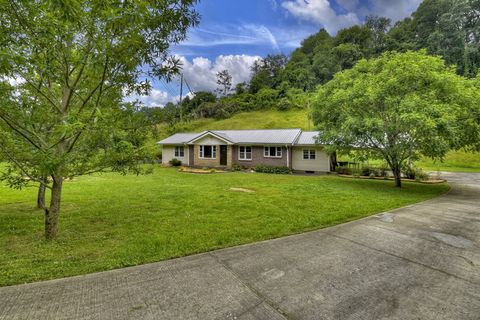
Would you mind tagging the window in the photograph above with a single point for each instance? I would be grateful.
(245, 153)
(308, 154)
(179, 151)
(208, 152)
(272, 152)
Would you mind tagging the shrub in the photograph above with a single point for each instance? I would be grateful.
(272, 169)
(415, 173)
(367, 171)
(421, 175)
(344, 170)
(284, 104)
(175, 162)
(237, 167)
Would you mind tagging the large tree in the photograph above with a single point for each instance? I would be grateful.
(398, 107)
(65, 67)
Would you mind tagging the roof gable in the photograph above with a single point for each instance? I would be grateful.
(213, 134)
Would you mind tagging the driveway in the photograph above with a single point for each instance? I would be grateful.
(418, 262)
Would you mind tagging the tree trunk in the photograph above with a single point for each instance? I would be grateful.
(41, 194)
(333, 162)
(397, 173)
(51, 214)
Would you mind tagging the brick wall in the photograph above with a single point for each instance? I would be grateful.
(258, 158)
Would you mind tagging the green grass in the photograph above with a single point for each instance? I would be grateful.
(112, 221)
(266, 119)
(455, 161)
(459, 161)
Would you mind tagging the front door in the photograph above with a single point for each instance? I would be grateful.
(223, 155)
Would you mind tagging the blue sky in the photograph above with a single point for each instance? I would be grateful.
(232, 34)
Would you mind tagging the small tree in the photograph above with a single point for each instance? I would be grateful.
(398, 107)
(73, 62)
(224, 80)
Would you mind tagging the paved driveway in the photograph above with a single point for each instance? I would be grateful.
(418, 262)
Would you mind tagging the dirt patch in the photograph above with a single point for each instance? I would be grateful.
(242, 190)
(200, 171)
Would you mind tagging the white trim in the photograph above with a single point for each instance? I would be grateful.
(309, 154)
(276, 152)
(209, 133)
(245, 152)
(180, 151)
(201, 152)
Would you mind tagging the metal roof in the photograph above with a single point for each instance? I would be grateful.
(307, 138)
(179, 138)
(272, 136)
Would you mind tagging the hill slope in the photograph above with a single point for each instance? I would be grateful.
(265, 119)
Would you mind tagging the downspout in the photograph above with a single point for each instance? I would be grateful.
(288, 157)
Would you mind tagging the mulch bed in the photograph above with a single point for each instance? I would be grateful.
(430, 181)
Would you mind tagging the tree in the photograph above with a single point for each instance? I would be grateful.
(379, 27)
(398, 107)
(74, 61)
(451, 29)
(224, 80)
(267, 72)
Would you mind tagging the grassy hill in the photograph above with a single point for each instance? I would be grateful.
(265, 119)
(297, 118)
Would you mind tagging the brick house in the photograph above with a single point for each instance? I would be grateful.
(292, 148)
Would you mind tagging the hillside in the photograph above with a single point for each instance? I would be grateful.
(266, 119)
(297, 118)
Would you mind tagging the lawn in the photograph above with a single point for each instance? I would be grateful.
(454, 161)
(112, 221)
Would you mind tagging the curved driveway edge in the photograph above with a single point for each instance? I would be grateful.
(417, 262)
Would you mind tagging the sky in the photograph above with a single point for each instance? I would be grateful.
(232, 34)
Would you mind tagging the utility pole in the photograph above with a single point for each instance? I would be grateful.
(181, 94)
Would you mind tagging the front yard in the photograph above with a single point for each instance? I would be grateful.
(111, 221)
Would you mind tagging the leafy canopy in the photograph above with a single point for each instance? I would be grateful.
(397, 107)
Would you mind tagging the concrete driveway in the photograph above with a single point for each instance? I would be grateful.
(418, 262)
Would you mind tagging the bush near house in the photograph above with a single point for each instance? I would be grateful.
(175, 162)
(272, 169)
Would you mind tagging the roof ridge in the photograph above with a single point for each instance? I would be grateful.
(257, 129)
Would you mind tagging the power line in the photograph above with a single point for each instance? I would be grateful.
(188, 86)
(168, 88)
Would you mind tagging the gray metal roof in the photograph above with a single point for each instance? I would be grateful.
(273, 136)
(179, 138)
(307, 138)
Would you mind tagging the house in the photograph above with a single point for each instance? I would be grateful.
(292, 148)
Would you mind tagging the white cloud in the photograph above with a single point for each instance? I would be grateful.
(273, 4)
(200, 73)
(156, 98)
(243, 34)
(395, 10)
(320, 11)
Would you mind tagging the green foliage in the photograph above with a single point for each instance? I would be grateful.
(175, 162)
(344, 170)
(397, 107)
(74, 61)
(272, 169)
(237, 167)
